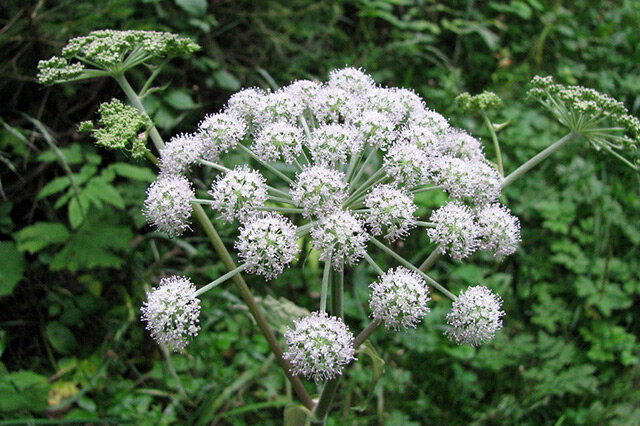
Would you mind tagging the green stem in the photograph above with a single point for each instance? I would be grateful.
(538, 158)
(319, 415)
(137, 103)
(337, 293)
(326, 278)
(220, 280)
(279, 192)
(213, 165)
(429, 261)
(360, 191)
(425, 224)
(408, 265)
(251, 303)
(496, 144)
(281, 200)
(279, 209)
(364, 334)
(373, 264)
(363, 167)
(265, 165)
(304, 229)
(425, 188)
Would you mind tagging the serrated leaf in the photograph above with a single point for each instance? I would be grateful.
(78, 208)
(72, 154)
(97, 243)
(56, 185)
(130, 171)
(105, 192)
(13, 265)
(34, 238)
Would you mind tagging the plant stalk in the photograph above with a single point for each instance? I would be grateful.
(538, 158)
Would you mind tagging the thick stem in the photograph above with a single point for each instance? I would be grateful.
(364, 334)
(319, 416)
(538, 158)
(251, 303)
(429, 261)
(137, 103)
(496, 144)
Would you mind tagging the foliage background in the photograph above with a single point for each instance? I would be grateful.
(73, 274)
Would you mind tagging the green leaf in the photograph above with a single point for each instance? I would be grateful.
(105, 192)
(296, 415)
(180, 99)
(72, 154)
(193, 7)
(78, 208)
(130, 171)
(34, 238)
(227, 81)
(56, 185)
(95, 244)
(60, 337)
(23, 390)
(13, 265)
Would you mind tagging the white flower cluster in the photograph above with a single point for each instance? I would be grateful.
(319, 346)
(390, 211)
(475, 316)
(168, 204)
(267, 244)
(359, 152)
(399, 298)
(341, 237)
(171, 312)
(238, 192)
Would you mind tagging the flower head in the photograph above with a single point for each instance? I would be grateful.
(423, 138)
(455, 230)
(305, 90)
(180, 153)
(122, 127)
(280, 105)
(475, 182)
(499, 230)
(432, 121)
(459, 144)
(407, 164)
(376, 129)
(168, 204)
(388, 102)
(319, 190)
(238, 192)
(171, 312)
(391, 211)
(353, 80)
(319, 346)
(267, 244)
(399, 298)
(242, 104)
(57, 69)
(278, 140)
(341, 237)
(475, 316)
(331, 104)
(220, 132)
(332, 143)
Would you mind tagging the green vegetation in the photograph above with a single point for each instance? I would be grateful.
(77, 255)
